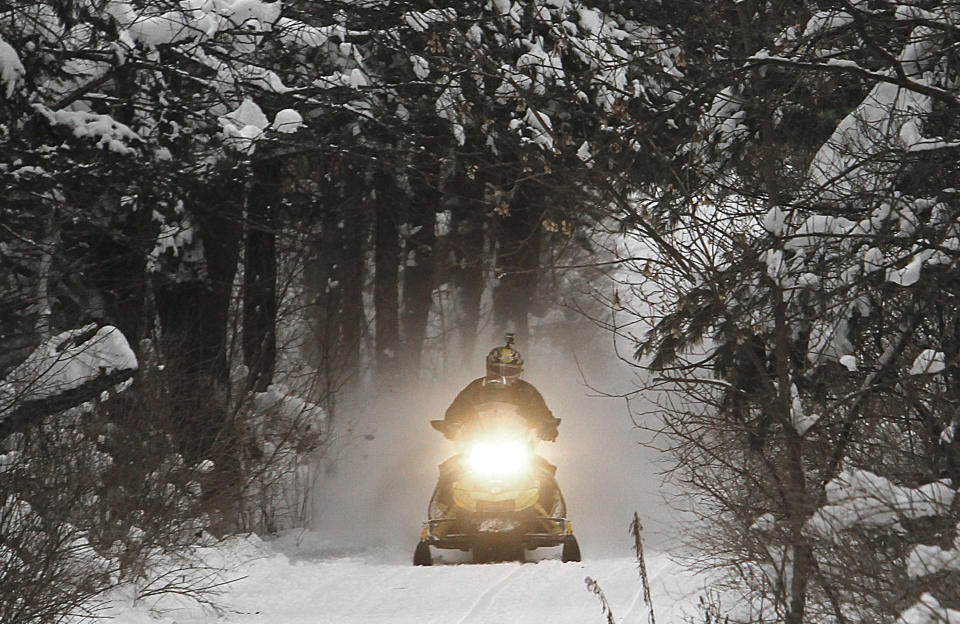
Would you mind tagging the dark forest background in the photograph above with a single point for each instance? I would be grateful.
(276, 203)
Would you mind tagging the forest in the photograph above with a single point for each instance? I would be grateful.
(219, 216)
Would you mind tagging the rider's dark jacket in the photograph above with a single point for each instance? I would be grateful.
(528, 400)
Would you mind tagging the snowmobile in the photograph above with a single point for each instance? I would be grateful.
(496, 497)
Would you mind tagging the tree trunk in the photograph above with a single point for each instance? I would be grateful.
(518, 260)
(194, 316)
(351, 271)
(418, 277)
(466, 232)
(386, 289)
(260, 276)
(118, 272)
(324, 286)
(194, 312)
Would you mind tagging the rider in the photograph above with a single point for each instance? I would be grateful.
(502, 383)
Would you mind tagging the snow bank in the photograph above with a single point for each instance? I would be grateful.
(74, 552)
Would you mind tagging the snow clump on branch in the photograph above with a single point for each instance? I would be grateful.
(64, 363)
(929, 362)
(862, 498)
(203, 19)
(11, 69)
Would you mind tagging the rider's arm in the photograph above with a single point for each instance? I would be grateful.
(537, 408)
(463, 406)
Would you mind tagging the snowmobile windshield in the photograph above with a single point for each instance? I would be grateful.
(497, 420)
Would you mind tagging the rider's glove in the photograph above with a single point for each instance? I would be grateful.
(548, 430)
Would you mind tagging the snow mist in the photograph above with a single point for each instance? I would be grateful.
(382, 466)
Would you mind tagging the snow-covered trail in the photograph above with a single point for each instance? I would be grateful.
(355, 565)
(288, 584)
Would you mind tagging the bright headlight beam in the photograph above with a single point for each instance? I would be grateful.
(497, 459)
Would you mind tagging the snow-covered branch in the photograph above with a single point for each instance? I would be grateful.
(948, 97)
(862, 498)
(65, 370)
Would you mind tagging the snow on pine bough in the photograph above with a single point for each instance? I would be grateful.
(496, 498)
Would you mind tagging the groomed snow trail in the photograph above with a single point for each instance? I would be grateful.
(355, 567)
(282, 584)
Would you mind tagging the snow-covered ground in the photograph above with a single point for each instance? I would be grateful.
(294, 580)
(355, 565)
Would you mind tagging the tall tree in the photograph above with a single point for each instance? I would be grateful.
(193, 293)
(466, 256)
(518, 261)
(260, 272)
(419, 263)
(789, 300)
(386, 289)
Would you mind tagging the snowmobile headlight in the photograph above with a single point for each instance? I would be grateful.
(498, 459)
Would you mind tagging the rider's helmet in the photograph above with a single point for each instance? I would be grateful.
(504, 364)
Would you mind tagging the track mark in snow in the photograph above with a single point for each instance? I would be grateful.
(638, 597)
(375, 589)
(486, 598)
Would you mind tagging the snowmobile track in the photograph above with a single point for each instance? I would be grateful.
(383, 588)
(638, 601)
(485, 599)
